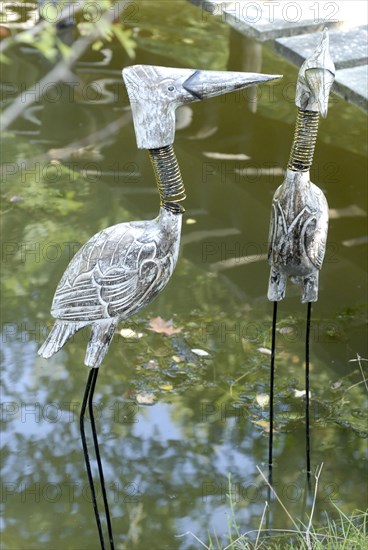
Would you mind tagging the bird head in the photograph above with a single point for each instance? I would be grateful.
(315, 79)
(155, 92)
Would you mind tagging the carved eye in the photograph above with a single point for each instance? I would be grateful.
(171, 88)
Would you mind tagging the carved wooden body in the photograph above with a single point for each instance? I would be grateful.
(114, 275)
(298, 235)
(115, 272)
(123, 268)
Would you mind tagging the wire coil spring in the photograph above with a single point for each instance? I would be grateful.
(306, 129)
(168, 178)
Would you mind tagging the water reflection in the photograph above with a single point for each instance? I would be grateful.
(166, 466)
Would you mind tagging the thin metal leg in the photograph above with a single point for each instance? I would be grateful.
(98, 458)
(272, 378)
(90, 381)
(307, 434)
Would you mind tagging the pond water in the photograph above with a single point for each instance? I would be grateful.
(178, 429)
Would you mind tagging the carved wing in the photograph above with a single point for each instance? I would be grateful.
(315, 242)
(272, 231)
(315, 234)
(274, 221)
(301, 237)
(111, 275)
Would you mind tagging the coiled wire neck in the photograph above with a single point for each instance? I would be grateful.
(302, 149)
(168, 178)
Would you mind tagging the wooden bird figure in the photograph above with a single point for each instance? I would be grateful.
(299, 219)
(122, 268)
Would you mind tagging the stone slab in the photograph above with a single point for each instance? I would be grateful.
(352, 85)
(348, 47)
(264, 21)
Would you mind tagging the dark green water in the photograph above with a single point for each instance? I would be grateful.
(167, 465)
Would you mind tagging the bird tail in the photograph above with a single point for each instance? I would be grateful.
(59, 334)
(99, 342)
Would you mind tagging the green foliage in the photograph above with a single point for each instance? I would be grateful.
(124, 36)
(44, 36)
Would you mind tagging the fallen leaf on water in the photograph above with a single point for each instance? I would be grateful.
(200, 352)
(157, 324)
(166, 387)
(225, 156)
(129, 333)
(16, 198)
(266, 351)
(152, 364)
(301, 393)
(263, 424)
(145, 398)
(285, 330)
(190, 221)
(262, 399)
(336, 385)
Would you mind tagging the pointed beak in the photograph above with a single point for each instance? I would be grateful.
(205, 84)
(320, 82)
(155, 92)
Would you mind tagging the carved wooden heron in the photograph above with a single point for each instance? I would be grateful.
(123, 268)
(299, 220)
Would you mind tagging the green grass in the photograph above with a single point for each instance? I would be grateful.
(344, 533)
(341, 533)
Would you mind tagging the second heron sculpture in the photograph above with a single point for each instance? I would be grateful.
(122, 268)
(299, 219)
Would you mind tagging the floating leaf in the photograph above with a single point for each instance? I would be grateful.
(225, 156)
(152, 364)
(263, 424)
(300, 393)
(166, 387)
(266, 351)
(190, 221)
(262, 399)
(163, 327)
(129, 333)
(145, 398)
(200, 352)
(285, 330)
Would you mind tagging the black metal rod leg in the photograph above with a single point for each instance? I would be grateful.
(272, 378)
(90, 381)
(307, 431)
(98, 458)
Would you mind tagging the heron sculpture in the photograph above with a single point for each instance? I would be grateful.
(299, 219)
(122, 268)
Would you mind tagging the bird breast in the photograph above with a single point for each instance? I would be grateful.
(299, 224)
(119, 270)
